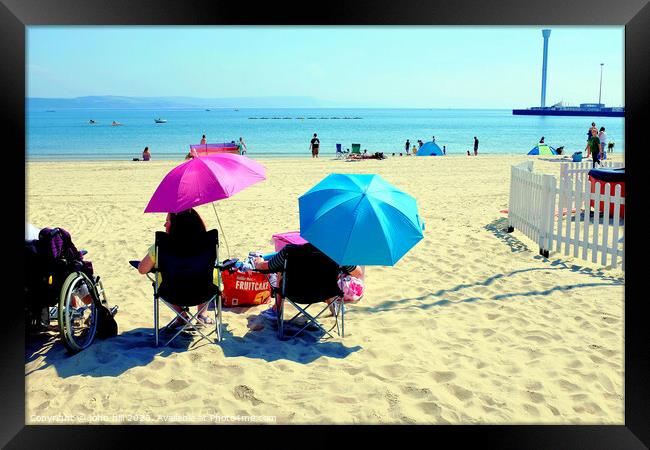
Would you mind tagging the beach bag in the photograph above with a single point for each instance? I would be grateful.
(576, 157)
(245, 288)
(351, 287)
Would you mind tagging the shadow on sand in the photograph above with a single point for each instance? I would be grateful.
(593, 278)
(135, 348)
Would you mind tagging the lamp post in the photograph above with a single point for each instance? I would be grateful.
(600, 90)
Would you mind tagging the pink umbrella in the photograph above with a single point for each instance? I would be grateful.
(204, 180)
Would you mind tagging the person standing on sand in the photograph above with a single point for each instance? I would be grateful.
(593, 127)
(314, 145)
(594, 148)
(433, 139)
(407, 146)
(203, 140)
(475, 146)
(444, 150)
(242, 146)
(603, 140)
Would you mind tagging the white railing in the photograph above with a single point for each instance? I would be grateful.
(568, 218)
(576, 173)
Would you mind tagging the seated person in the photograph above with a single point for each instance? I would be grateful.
(181, 226)
(146, 154)
(276, 265)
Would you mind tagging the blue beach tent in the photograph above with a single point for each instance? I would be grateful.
(542, 149)
(429, 149)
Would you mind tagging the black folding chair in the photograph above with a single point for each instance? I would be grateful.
(309, 277)
(187, 280)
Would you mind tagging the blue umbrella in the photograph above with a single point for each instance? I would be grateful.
(360, 220)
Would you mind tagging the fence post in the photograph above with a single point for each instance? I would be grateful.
(547, 208)
(511, 199)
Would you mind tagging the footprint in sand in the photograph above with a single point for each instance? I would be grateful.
(534, 386)
(177, 385)
(430, 408)
(147, 383)
(417, 393)
(531, 410)
(443, 377)
(589, 408)
(460, 392)
(568, 386)
(393, 400)
(243, 392)
(535, 397)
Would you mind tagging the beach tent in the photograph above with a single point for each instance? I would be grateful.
(542, 149)
(429, 149)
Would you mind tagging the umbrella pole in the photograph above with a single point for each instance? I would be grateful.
(221, 229)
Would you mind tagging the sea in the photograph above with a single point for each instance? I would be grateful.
(66, 134)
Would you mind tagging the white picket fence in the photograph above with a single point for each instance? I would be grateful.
(562, 218)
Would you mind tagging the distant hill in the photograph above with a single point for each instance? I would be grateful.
(117, 102)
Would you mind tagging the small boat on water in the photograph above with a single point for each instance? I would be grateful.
(115, 124)
(92, 122)
(159, 120)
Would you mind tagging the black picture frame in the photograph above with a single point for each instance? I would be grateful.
(15, 15)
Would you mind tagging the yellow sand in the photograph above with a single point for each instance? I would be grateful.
(471, 326)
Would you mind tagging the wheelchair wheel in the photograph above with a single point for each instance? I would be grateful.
(78, 312)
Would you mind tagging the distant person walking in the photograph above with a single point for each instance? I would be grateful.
(146, 154)
(203, 140)
(407, 146)
(314, 145)
(594, 148)
(475, 146)
(444, 150)
(433, 139)
(242, 146)
(541, 141)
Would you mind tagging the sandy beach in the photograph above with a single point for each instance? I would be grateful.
(472, 326)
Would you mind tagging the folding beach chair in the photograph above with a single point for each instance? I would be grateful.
(340, 154)
(309, 277)
(356, 152)
(187, 280)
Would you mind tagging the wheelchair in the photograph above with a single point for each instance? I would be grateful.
(65, 291)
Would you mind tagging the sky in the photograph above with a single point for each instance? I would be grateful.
(353, 66)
